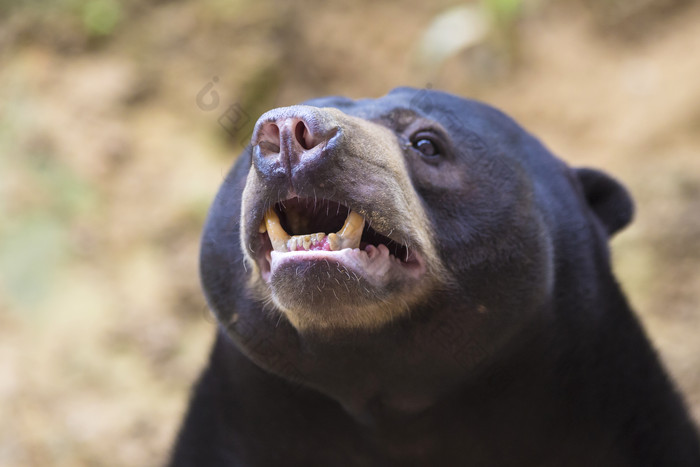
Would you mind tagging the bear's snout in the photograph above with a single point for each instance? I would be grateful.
(288, 140)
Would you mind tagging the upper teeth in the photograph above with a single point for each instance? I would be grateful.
(348, 236)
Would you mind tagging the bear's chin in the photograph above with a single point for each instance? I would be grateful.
(326, 291)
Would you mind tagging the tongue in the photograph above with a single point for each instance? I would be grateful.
(348, 236)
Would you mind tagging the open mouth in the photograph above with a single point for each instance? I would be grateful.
(325, 229)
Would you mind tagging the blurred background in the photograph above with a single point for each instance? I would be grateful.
(119, 119)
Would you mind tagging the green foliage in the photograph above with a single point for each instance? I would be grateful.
(100, 17)
(37, 219)
(504, 12)
(30, 254)
(97, 17)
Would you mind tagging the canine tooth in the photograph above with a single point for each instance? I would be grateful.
(262, 228)
(351, 232)
(353, 223)
(278, 236)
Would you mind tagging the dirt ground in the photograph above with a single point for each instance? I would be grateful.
(109, 160)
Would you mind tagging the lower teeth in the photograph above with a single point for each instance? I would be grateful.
(347, 237)
(317, 241)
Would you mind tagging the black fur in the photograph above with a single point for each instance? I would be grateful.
(529, 355)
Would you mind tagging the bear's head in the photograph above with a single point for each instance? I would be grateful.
(396, 245)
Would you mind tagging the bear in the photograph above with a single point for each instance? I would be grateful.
(415, 280)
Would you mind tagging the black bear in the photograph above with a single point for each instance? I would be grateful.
(416, 280)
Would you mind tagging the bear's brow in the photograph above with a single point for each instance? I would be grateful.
(398, 118)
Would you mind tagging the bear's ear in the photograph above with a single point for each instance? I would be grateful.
(608, 199)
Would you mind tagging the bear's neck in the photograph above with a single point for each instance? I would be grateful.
(584, 388)
(584, 381)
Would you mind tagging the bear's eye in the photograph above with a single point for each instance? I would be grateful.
(427, 146)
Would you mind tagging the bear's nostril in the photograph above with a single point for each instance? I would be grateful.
(269, 138)
(303, 136)
(269, 147)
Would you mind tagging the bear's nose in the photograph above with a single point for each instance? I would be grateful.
(288, 139)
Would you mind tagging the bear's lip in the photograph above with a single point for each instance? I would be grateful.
(303, 229)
